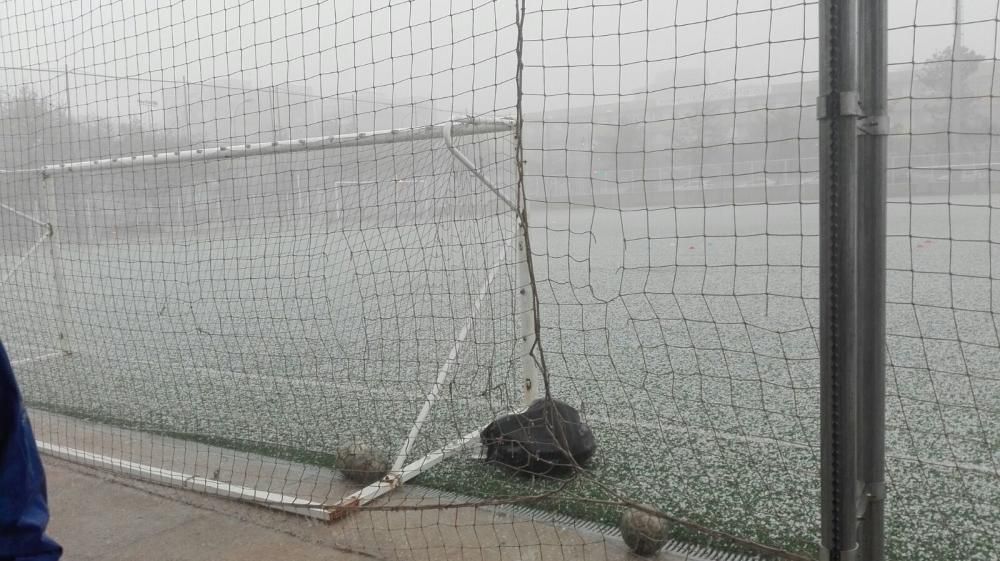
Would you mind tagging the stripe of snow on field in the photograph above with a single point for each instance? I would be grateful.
(979, 468)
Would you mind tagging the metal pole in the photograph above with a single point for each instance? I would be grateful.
(838, 111)
(873, 68)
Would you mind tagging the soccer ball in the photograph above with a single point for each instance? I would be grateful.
(361, 463)
(643, 533)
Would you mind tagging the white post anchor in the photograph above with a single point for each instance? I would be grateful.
(526, 319)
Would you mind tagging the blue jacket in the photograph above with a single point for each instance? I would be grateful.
(24, 511)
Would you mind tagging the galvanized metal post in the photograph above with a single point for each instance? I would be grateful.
(838, 112)
(873, 70)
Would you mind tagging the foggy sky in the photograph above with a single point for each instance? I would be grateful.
(458, 53)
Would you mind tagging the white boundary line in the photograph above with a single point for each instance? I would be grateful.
(38, 358)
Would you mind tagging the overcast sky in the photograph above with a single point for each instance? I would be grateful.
(456, 52)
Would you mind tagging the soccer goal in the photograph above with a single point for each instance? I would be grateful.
(299, 295)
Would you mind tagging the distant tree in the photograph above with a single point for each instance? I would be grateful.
(35, 131)
(32, 130)
(949, 71)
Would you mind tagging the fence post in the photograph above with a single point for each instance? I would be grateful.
(838, 111)
(873, 67)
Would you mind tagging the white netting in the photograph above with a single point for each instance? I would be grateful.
(243, 316)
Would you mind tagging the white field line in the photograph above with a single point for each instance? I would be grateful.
(649, 426)
(37, 358)
(733, 437)
(189, 481)
(23, 215)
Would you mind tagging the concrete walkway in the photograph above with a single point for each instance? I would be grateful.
(102, 515)
(98, 516)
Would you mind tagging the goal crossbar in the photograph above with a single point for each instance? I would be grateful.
(459, 127)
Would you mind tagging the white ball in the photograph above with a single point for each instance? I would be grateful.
(644, 533)
(361, 463)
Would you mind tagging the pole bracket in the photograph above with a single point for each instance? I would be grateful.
(850, 554)
(875, 491)
(870, 492)
(836, 105)
(874, 125)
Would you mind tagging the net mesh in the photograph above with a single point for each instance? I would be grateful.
(340, 279)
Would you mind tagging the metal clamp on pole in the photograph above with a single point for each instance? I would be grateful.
(839, 555)
(874, 125)
(834, 105)
(875, 491)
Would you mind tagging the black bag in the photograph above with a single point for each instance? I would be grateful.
(547, 438)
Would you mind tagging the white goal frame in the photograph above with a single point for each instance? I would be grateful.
(403, 468)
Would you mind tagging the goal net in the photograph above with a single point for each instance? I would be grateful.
(238, 237)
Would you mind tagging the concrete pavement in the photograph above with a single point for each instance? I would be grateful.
(98, 516)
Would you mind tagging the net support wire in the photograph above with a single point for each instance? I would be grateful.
(400, 473)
